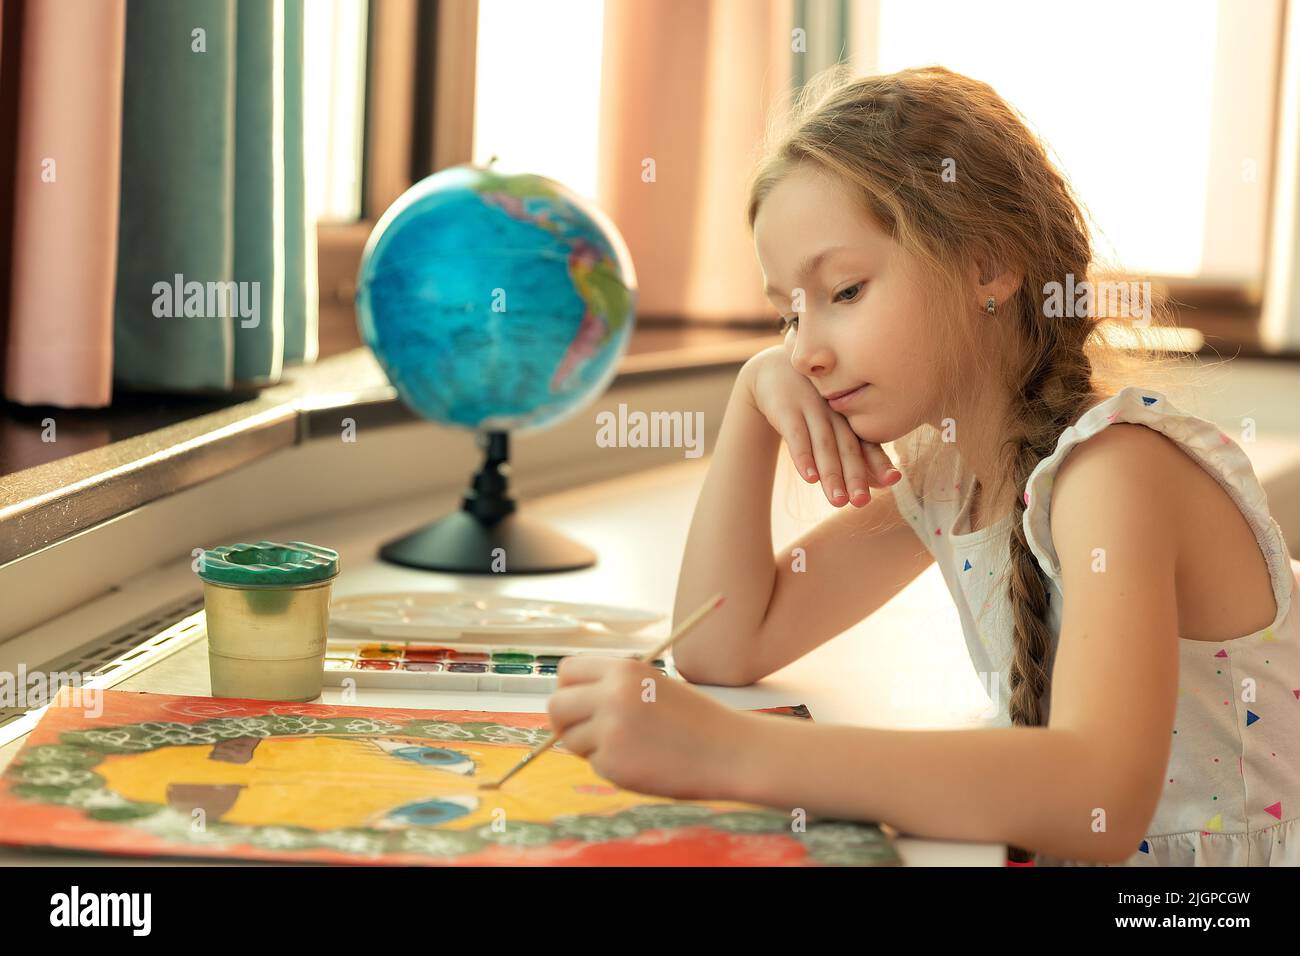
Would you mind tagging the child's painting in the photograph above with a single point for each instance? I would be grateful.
(216, 777)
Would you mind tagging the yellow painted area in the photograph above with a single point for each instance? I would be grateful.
(329, 782)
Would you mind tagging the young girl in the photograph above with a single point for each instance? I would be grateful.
(1112, 556)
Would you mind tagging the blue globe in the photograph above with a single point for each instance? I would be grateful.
(495, 302)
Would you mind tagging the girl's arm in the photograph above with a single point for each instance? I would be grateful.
(853, 562)
(1035, 787)
(729, 546)
(1084, 787)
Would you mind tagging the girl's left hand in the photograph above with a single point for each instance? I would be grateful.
(645, 731)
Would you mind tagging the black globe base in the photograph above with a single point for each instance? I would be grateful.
(460, 544)
(488, 536)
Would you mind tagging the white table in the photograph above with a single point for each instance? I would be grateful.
(870, 675)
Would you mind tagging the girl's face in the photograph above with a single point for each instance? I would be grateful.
(861, 319)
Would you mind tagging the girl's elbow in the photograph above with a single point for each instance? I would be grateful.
(1121, 843)
(1106, 834)
(1101, 849)
(710, 675)
(1118, 850)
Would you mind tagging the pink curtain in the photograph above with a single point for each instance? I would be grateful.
(66, 167)
(688, 85)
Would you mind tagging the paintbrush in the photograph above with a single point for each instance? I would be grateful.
(712, 604)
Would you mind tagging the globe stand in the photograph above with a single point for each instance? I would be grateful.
(467, 542)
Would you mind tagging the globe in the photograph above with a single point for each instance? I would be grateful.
(495, 301)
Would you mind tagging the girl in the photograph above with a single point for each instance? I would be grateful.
(1112, 556)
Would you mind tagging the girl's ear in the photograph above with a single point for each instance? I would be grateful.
(993, 278)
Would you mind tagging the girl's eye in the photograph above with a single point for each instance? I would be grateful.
(792, 321)
(853, 288)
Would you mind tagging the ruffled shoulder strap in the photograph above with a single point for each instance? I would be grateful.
(1204, 441)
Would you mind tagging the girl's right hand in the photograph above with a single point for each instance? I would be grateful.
(821, 441)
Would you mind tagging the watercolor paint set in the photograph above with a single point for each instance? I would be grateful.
(467, 642)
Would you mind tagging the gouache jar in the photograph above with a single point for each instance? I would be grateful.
(267, 609)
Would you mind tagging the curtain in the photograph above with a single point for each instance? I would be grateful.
(825, 40)
(700, 121)
(154, 233)
(1280, 319)
(301, 296)
(64, 177)
(177, 194)
(216, 283)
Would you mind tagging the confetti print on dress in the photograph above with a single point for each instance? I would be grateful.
(1253, 824)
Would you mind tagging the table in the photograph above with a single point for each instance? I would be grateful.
(638, 525)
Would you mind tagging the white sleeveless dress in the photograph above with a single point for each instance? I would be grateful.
(1232, 787)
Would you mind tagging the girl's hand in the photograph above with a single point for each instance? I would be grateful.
(645, 731)
(821, 441)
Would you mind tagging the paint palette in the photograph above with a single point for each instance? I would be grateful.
(466, 642)
(466, 667)
(452, 614)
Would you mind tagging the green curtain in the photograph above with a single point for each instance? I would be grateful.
(212, 179)
(826, 26)
(300, 286)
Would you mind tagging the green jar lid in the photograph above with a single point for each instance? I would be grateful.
(268, 564)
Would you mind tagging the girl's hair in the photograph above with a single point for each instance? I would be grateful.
(952, 173)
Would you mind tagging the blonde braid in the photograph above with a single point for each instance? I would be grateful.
(1058, 397)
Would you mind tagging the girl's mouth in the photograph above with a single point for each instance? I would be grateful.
(844, 399)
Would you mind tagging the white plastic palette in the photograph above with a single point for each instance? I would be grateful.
(462, 641)
(451, 614)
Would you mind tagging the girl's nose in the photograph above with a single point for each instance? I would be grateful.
(810, 357)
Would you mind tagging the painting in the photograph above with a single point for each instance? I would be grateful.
(159, 775)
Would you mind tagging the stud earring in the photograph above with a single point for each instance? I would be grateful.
(990, 305)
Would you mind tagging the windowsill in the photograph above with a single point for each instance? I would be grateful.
(1231, 333)
(145, 448)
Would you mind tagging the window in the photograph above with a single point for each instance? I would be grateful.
(537, 88)
(334, 64)
(1160, 113)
